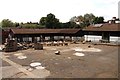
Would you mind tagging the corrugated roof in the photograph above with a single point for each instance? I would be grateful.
(104, 27)
(44, 31)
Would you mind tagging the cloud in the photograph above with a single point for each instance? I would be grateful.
(33, 10)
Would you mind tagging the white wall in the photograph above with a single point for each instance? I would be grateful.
(92, 38)
(97, 38)
(114, 39)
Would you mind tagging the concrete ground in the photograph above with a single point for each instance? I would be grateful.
(102, 64)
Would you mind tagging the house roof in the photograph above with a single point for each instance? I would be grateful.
(103, 27)
(44, 31)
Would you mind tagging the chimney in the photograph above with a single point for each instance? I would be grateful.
(114, 18)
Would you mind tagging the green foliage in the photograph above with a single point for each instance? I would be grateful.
(80, 19)
(30, 25)
(50, 21)
(83, 21)
(73, 19)
(16, 24)
(87, 20)
(69, 25)
(7, 23)
(43, 21)
(98, 20)
(0, 25)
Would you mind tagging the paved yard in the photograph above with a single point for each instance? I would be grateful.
(103, 64)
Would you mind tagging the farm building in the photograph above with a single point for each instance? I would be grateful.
(106, 31)
(44, 34)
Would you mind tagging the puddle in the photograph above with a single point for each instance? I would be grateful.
(35, 64)
(18, 54)
(78, 49)
(92, 50)
(56, 63)
(21, 57)
(87, 49)
(40, 67)
(79, 54)
(69, 57)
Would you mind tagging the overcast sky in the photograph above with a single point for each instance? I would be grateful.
(33, 10)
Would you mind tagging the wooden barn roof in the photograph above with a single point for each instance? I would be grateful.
(44, 31)
(103, 27)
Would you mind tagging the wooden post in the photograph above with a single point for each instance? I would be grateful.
(106, 37)
(71, 38)
(52, 38)
(40, 38)
(43, 38)
(64, 38)
(21, 39)
(32, 39)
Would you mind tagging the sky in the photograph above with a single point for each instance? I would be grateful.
(33, 10)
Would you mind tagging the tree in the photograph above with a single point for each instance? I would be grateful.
(80, 19)
(69, 24)
(101, 20)
(73, 19)
(89, 18)
(16, 24)
(98, 20)
(43, 21)
(7, 23)
(50, 21)
(85, 20)
(30, 25)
